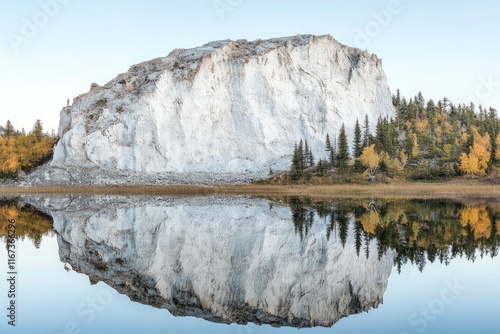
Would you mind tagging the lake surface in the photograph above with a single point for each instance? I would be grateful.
(108, 264)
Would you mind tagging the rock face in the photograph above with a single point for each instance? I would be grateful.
(228, 106)
(224, 259)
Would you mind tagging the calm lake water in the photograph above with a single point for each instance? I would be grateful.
(104, 264)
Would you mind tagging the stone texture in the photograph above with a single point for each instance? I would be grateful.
(233, 107)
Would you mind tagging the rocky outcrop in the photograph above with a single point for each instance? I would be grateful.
(234, 107)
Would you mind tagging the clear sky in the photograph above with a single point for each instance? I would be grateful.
(52, 50)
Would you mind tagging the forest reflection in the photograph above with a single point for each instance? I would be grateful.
(419, 231)
(30, 222)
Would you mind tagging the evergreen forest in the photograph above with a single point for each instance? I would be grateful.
(425, 140)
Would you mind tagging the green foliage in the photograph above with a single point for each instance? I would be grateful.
(366, 133)
(330, 150)
(417, 231)
(425, 141)
(328, 143)
(357, 144)
(301, 160)
(38, 130)
(9, 129)
(343, 151)
(311, 159)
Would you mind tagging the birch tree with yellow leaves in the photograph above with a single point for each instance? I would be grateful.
(476, 162)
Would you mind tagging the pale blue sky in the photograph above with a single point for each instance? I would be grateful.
(443, 48)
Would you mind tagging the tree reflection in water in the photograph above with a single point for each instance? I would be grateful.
(30, 222)
(417, 230)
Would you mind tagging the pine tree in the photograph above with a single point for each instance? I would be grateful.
(37, 130)
(411, 110)
(328, 143)
(295, 171)
(329, 150)
(343, 151)
(396, 101)
(366, 133)
(343, 227)
(294, 157)
(311, 159)
(321, 167)
(380, 136)
(302, 164)
(9, 129)
(306, 155)
(332, 157)
(419, 103)
(358, 233)
(415, 149)
(389, 129)
(358, 148)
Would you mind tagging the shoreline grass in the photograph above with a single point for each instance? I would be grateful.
(399, 190)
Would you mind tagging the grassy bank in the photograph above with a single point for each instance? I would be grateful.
(400, 190)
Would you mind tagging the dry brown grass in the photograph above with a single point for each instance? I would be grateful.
(403, 190)
(406, 190)
(110, 190)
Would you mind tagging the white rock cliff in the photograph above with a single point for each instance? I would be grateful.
(229, 106)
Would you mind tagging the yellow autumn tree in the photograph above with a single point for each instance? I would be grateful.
(393, 165)
(481, 148)
(422, 126)
(9, 158)
(370, 221)
(497, 153)
(29, 223)
(476, 162)
(447, 151)
(469, 164)
(24, 152)
(477, 217)
(415, 149)
(371, 160)
(403, 157)
(464, 138)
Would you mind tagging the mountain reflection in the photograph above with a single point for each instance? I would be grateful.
(289, 262)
